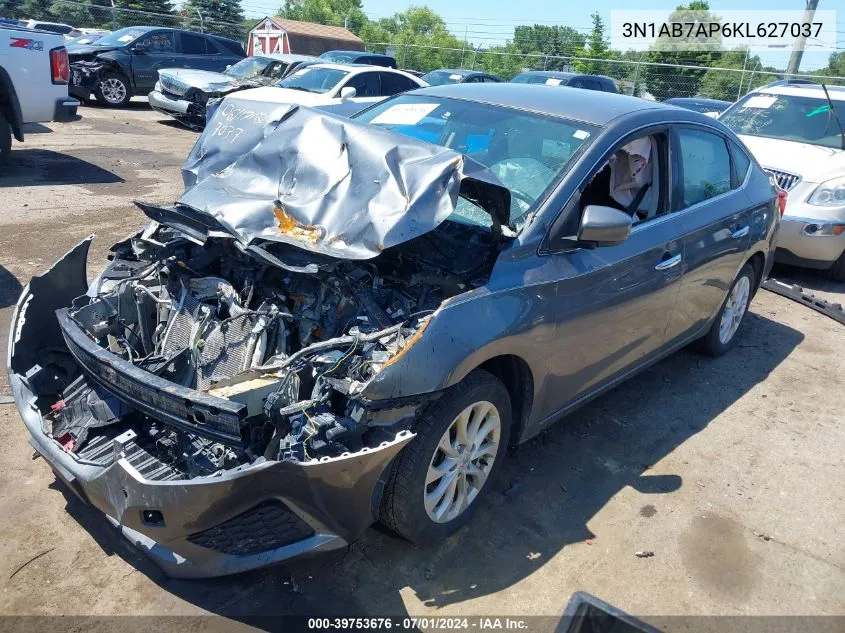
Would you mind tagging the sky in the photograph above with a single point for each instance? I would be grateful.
(490, 22)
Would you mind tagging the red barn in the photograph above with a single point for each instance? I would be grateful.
(279, 35)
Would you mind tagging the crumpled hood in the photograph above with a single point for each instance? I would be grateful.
(813, 163)
(204, 80)
(325, 183)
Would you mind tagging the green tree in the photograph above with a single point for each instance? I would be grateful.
(223, 17)
(135, 13)
(596, 47)
(333, 12)
(664, 81)
(548, 44)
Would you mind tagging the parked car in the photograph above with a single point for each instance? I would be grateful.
(710, 107)
(796, 132)
(52, 27)
(573, 80)
(359, 57)
(338, 321)
(182, 92)
(459, 76)
(126, 63)
(33, 83)
(338, 88)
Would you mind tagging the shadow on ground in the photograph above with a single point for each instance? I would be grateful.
(42, 167)
(10, 288)
(551, 488)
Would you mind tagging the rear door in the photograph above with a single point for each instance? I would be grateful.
(151, 53)
(717, 217)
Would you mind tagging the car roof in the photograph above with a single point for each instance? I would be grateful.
(702, 100)
(589, 106)
(356, 53)
(837, 93)
(145, 29)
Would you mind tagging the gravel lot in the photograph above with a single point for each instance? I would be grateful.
(730, 470)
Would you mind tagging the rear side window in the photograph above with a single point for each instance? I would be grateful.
(193, 44)
(592, 84)
(706, 165)
(392, 84)
(741, 163)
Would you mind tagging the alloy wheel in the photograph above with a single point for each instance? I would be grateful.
(113, 90)
(462, 461)
(735, 308)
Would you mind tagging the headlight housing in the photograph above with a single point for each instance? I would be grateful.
(829, 194)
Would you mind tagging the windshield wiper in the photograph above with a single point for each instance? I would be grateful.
(296, 88)
(832, 111)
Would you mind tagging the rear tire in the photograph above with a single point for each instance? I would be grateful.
(113, 90)
(726, 327)
(5, 140)
(442, 453)
(836, 272)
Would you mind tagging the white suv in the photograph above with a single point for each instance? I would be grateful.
(797, 134)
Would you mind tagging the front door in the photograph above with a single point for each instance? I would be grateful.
(717, 222)
(612, 305)
(151, 53)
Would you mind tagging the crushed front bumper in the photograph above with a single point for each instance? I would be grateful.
(186, 112)
(236, 520)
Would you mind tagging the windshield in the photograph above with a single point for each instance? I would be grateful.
(442, 77)
(339, 57)
(120, 37)
(526, 152)
(804, 119)
(314, 79)
(249, 67)
(88, 38)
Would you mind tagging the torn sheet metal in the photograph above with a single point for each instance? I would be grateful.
(328, 184)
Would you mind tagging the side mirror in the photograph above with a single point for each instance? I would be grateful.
(604, 226)
(139, 49)
(348, 92)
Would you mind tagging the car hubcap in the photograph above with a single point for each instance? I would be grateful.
(113, 90)
(462, 461)
(734, 309)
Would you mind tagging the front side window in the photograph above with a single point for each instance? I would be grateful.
(314, 79)
(526, 152)
(158, 42)
(706, 165)
(800, 118)
(365, 84)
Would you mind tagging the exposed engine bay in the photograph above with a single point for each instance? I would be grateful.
(293, 342)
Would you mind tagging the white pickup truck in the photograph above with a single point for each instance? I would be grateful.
(34, 75)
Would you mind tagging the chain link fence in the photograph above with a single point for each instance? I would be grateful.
(632, 76)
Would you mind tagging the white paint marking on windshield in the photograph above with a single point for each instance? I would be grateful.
(551, 81)
(581, 134)
(404, 114)
(760, 101)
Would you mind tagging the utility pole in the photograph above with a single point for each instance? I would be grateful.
(801, 40)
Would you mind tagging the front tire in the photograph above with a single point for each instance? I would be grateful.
(724, 332)
(113, 90)
(437, 479)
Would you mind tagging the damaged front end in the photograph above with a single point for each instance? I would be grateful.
(207, 391)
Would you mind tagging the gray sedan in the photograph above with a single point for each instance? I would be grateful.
(349, 320)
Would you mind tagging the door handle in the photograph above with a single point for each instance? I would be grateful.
(666, 264)
(740, 233)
